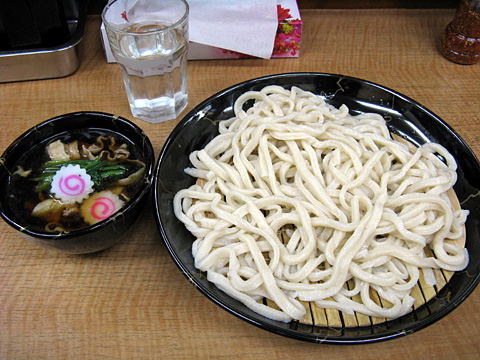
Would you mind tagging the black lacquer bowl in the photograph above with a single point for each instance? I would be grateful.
(404, 116)
(95, 237)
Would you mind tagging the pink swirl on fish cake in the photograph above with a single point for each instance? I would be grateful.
(102, 208)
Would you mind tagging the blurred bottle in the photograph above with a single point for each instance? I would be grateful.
(461, 39)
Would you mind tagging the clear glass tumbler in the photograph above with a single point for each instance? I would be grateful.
(149, 40)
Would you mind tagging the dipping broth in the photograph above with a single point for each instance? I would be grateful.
(74, 180)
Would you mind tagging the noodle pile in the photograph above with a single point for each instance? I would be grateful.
(355, 204)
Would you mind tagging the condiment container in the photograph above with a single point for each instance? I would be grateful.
(460, 41)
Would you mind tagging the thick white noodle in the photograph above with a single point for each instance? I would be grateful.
(356, 205)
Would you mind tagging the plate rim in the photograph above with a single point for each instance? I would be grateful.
(309, 337)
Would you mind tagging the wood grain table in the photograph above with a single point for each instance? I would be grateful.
(131, 301)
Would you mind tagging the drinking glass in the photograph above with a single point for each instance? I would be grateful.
(149, 40)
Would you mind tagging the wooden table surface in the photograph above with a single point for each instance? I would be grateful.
(131, 301)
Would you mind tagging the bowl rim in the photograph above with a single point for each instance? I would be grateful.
(100, 116)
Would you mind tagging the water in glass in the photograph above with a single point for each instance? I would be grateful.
(154, 67)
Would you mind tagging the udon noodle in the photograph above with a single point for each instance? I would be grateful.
(356, 206)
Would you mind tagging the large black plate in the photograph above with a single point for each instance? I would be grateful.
(405, 117)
